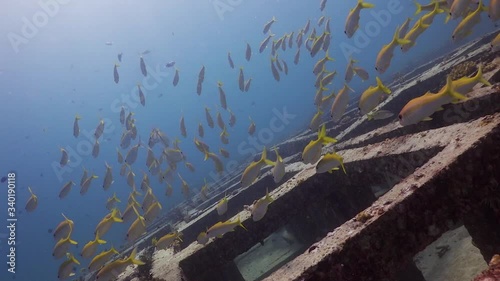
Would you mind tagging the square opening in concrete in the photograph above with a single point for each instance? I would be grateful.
(274, 251)
(452, 256)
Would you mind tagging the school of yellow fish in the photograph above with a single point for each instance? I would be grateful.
(415, 111)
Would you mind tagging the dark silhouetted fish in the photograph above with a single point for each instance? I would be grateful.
(120, 57)
(170, 64)
(116, 76)
(143, 67)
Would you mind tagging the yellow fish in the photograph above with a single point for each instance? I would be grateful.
(63, 229)
(128, 214)
(330, 162)
(259, 207)
(421, 108)
(66, 189)
(90, 248)
(465, 26)
(465, 84)
(148, 200)
(202, 238)
(372, 96)
(385, 55)
(221, 228)
(352, 21)
(429, 7)
(99, 260)
(32, 201)
(167, 240)
(278, 170)
(222, 206)
(111, 271)
(152, 212)
(429, 17)
(62, 246)
(137, 228)
(312, 151)
(418, 28)
(110, 203)
(253, 170)
(66, 268)
(106, 223)
(340, 103)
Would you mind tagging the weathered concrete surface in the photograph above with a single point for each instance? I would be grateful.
(368, 164)
(413, 213)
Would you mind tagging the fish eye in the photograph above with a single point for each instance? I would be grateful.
(400, 117)
(376, 68)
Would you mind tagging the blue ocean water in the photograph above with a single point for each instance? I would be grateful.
(55, 63)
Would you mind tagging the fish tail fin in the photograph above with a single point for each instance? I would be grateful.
(449, 90)
(241, 224)
(98, 239)
(72, 258)
(206, 154)
(479, 76)
(270, 163)
(447, 19)
(365, 5)
(419, 7)
(382, 86)
(369, 117)
(326, 140)
(72, 242)
(322, 132)
(481, 6)
(154, 241)
(65, 217)
(323, 137)
(132, 259)
(403, 41)
(263, 157)
(399, 41)
(268, 197)
(342, 165)
(437, 10)
(115, 217)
